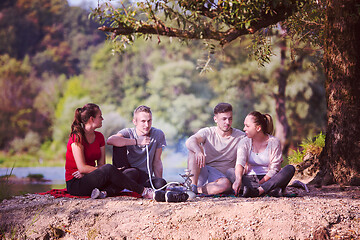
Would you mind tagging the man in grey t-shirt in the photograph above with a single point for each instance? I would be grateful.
(212, 151)
(129, 151)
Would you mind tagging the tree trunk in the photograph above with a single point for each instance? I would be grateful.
(282, 127)
(340, 159)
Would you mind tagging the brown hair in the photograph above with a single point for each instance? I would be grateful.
(222, 108)
(82, 115)
(264, 120)
(142, 108)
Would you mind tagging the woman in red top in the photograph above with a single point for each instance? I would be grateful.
(86, 173)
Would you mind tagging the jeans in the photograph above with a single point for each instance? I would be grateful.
(120, 160)
(280, 180)
(106, 178)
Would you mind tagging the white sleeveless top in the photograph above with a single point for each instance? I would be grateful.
(259, 162)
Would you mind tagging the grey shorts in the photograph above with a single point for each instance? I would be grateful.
(209, 174)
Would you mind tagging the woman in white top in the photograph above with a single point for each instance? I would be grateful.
(259, 160)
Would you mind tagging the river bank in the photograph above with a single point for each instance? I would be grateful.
(331, 212)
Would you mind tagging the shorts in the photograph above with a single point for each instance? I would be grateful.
(209, 174)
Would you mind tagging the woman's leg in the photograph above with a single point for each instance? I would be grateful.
(280, 180)
(107, 178)
(132, 173)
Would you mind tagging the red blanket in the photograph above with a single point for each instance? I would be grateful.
(57, 193)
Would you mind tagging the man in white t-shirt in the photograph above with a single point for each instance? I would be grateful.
(212, 151)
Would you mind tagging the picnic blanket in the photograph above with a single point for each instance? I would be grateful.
(58, 193)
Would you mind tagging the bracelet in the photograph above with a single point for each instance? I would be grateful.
(136, 142)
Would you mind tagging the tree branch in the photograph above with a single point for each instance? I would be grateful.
(267, 19)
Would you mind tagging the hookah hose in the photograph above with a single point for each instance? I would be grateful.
(150, 178)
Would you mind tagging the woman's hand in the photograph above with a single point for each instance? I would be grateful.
(264, 179)
(77, 174)
(237, 186)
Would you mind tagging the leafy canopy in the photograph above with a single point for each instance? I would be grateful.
(219, 21)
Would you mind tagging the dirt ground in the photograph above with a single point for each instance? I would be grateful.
(330, 212)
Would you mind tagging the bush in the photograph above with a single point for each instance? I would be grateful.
(30, 143)
(36, 176)
(308, 146)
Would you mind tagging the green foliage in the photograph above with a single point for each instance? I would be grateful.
(41, 44)
(74, 89)
(196, 20)
(36, 176)
(30, 143)
(75, 95)
(17, 92)
(308, 146)
(53, 159)
(307, 25)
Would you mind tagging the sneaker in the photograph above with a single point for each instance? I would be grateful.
(159, 196)
(277, 192)
(194, 189)
(96, 193)
(172, 196)
(250, 192)
(148, 193)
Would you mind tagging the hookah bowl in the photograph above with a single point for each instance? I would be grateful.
(187, 183)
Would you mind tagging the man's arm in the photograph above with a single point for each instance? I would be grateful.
(193, 144)
(157, 163)
(119, 140)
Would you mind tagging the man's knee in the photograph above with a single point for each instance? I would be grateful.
(159, 182)
(224, 184)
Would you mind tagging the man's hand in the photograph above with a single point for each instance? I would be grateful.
(143, 140)
(200, 159)
(236, 187)
(77, 174)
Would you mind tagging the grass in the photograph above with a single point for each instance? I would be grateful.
(309, 146)
(4, 185)
(28, 160)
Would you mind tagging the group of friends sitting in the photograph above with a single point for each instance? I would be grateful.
(221, 159)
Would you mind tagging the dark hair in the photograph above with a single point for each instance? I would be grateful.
(82, 115)
(222, 108)
(264, 120)
(142, 108)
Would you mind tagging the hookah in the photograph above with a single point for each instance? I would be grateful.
(186, 177)
(187, 183)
